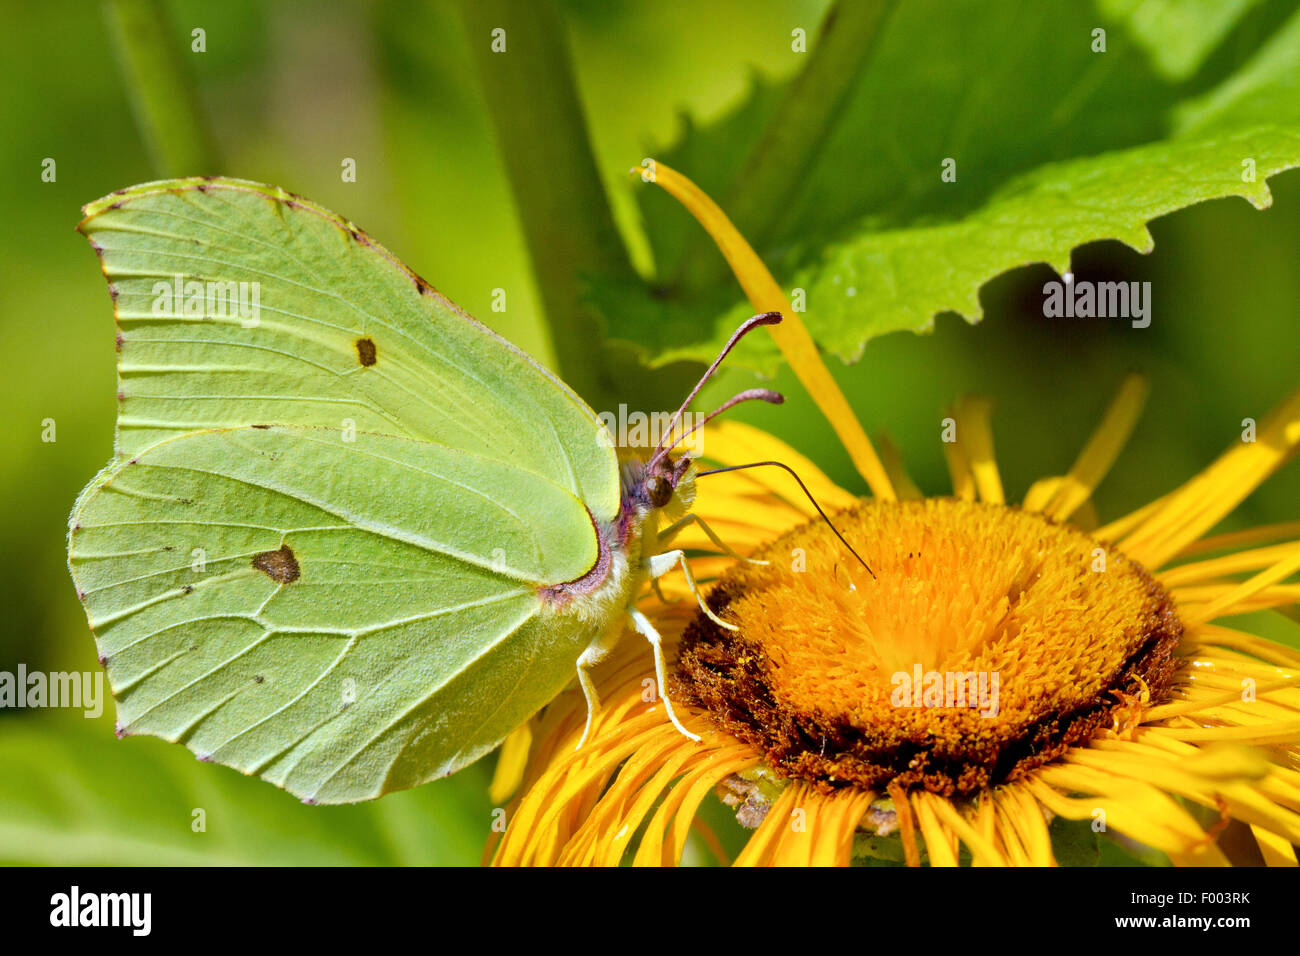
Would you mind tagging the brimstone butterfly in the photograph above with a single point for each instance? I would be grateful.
(350, 538)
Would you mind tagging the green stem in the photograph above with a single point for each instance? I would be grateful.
(162, 92)
(542, 137)
(763, 189)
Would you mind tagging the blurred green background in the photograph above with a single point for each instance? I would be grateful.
(292, 88)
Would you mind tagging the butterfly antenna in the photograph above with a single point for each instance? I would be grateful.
(767, 318)
(781, 464)
(748, 395)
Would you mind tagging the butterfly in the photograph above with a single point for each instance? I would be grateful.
(350, 538)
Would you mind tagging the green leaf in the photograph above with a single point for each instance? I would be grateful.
(1055, 146)
(1075, 843)
(900, 279)
(1266, 91)
(1177, 35)
(56, 810)
(872, 850)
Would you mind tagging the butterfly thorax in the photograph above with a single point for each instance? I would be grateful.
(616, 578)
(653, 493)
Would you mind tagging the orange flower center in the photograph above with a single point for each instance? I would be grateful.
(989, 641)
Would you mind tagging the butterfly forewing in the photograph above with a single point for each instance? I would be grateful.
(241, 304)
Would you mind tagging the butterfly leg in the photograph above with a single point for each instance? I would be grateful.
(596, 652)
(659, 593)
(647, 630)
(660, 564)
(670, 532)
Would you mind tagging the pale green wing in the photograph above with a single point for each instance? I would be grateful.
(341, 617)
(288, 313)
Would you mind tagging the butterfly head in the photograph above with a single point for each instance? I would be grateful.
(669, 485)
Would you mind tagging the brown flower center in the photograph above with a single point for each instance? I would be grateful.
(990, 640)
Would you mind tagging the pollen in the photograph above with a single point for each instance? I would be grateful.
(989, 640)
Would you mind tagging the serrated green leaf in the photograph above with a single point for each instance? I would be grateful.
(1055, 146)
(899, 280)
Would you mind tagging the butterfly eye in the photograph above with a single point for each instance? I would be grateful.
(659, 490)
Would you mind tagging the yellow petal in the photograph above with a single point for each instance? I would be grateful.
(1276, 850)
(896, 468)
(1202, 502)
(511, 764)
(1102, 449)
(791, 335)
(975, 436)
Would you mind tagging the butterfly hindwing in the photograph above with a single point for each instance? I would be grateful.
(319, 608)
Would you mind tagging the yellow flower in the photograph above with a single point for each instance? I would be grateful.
(994, 666)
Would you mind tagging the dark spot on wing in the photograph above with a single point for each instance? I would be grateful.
(280, 566)
(366, 351)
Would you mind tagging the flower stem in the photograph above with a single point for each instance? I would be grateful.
(163, 96)
(521, 55)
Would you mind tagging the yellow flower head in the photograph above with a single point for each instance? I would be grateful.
(986, 669)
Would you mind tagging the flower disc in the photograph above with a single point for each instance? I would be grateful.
(989, 640)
